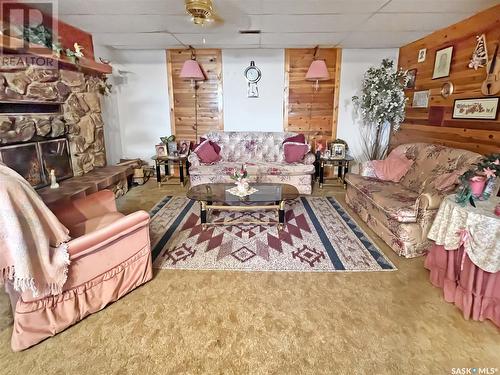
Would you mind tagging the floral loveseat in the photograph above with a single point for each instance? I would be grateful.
(402, 213)
(262, 152)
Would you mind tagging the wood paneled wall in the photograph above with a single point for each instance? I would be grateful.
(478, 136)
(306, 111)
(182, 114)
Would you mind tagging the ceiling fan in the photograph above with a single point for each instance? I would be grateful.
(202, 12)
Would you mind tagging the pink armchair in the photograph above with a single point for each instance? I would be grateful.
(110, 255)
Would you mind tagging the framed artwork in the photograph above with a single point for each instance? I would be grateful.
(319, 145)
(412, 77)
(55, 155)
(338, 151)
(442, 63)
(420, 99)
(161, 150)
(172, 148)
(184, 147)
(421, 55)
(25, 160)
(476, 109)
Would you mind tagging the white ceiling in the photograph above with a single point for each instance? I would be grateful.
(153, 24)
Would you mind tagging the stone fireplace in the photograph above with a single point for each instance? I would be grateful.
(40, 105)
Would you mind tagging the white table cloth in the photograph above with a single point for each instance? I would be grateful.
(476, 228)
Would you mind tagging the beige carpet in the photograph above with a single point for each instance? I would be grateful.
(204, 322)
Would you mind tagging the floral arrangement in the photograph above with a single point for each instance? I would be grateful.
(381, 104)
(240, 175)
(479, 182)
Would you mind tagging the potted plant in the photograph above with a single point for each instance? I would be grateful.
(381, 106)
(479, 182)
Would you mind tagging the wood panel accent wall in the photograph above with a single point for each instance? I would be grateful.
(478, 136)
(306, 111)
(182, 113)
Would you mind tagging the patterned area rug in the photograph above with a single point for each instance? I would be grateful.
(318, 236)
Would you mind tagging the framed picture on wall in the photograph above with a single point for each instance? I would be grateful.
(476, 109)
(442, 63)
(412, 77)
(420, 99)
(421, 55)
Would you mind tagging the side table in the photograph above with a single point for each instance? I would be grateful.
(465, 260)
(167, 162)
(341, 164)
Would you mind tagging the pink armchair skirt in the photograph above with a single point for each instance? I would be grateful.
(110, 256)
(472, 290)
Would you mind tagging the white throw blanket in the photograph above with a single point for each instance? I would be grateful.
(33, 249)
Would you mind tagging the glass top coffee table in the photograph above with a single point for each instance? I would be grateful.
(268, 197)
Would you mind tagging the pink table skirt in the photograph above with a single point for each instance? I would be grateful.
(472, 290)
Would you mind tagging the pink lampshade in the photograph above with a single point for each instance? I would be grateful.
(318, 71)
(191, 70)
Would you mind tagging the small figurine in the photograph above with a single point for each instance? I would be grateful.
(53, 180)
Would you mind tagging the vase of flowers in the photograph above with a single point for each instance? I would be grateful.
(481, 181)
(241, 179)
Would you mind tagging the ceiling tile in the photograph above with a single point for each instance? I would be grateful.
(134, 38)
(381, 39)
(218, 39)
(301, 39)
(132, 7)
(320, 6)
(438, 6)
(311, 23)
(410, 21)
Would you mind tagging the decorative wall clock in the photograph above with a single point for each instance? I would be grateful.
(252, 75)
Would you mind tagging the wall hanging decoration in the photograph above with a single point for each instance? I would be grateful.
(420, 99)
(442, 63)
(480, 55)
(252, 75)
(476, 109)
(421, 55)
(491, 84)
(192, 71)
(447, 89)
(411, 79)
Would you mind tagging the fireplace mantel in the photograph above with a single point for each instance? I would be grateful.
(84, 64)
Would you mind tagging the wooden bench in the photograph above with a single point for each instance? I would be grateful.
(81, 186)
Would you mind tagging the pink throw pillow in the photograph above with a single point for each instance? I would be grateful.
(207, 153)
(299, 138)
(392, 169)
(214, 145)
(295, 152)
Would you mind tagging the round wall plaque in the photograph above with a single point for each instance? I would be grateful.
(447, 89)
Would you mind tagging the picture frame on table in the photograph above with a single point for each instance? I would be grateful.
(320, 145)
(442, 62)
(338, 151)
(172, 148)
(161, 150)
(184, 147)
(476, 109)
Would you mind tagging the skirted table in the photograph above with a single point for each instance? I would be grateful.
(465, 260)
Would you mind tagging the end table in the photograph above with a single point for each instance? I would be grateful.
(342, 164)
(168, 161)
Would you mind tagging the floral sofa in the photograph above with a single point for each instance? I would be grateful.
(264, 156)
(402, 213)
